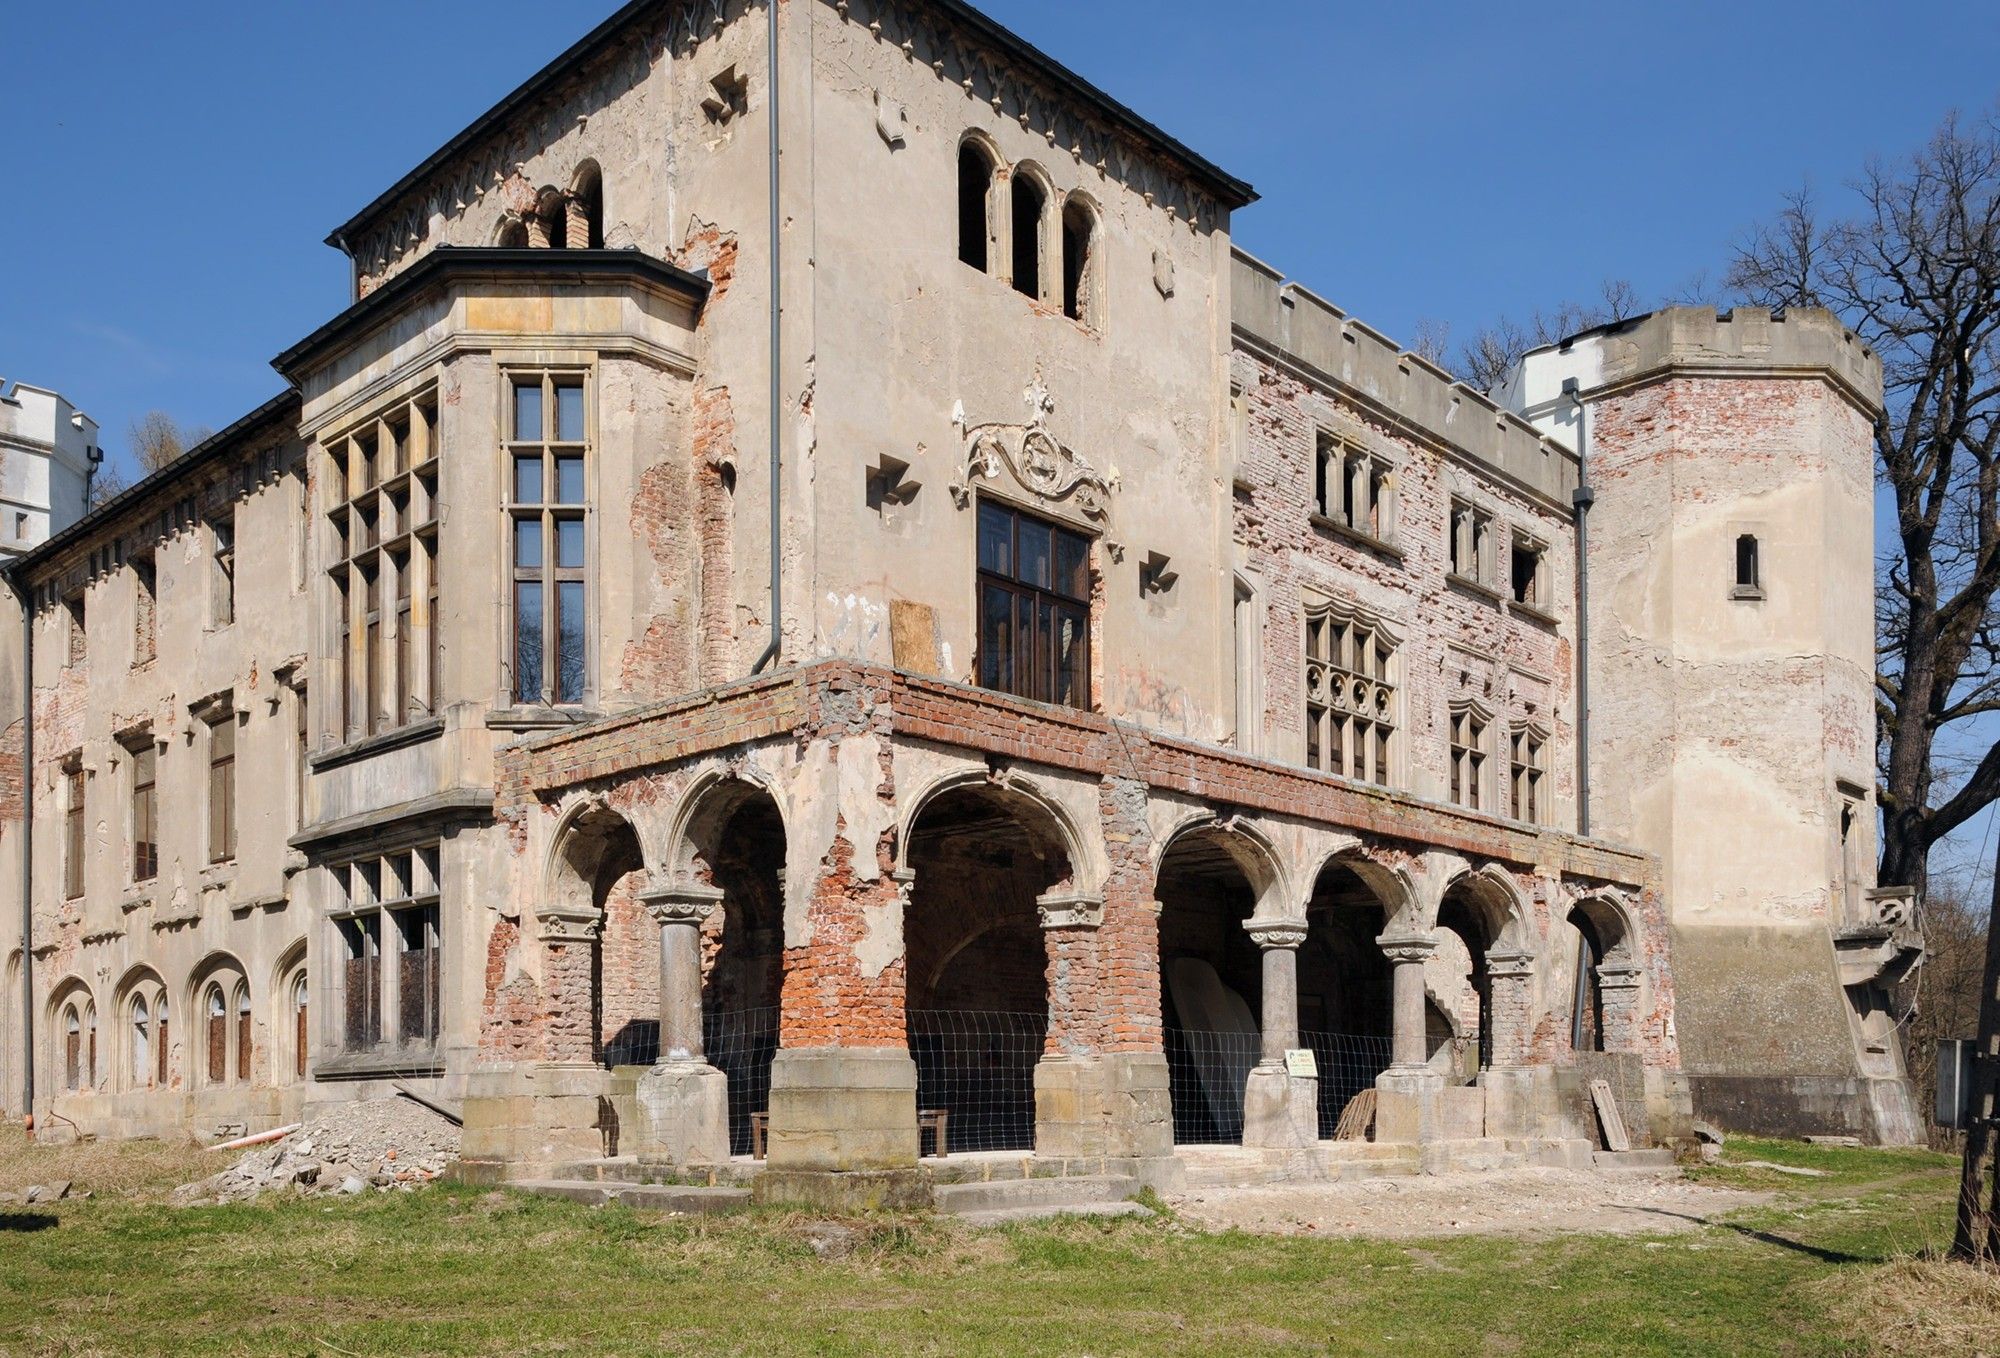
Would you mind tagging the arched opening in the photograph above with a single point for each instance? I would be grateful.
(299, 1027)
(975, 189)
(586, 208)
(977, 967)
(1211, 981)
(72, 1028)
(598, 875)
(216, 1013)
(141, 1000)
(1079, 250)
(1030, 206)
(244, 1033)
(142, 1042)
(513, 234)
(1471, 920)
(738, 839)
(1345, 986)
(552, 212)
(1586, 1007)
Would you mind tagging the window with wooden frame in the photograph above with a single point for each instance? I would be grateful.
(1524, 761)
(1355, 490)
(145, 611)
(1034, 607)
(216, 1013)
(245, 1035)
(73, 828)
(390, 925)
(381, 479)
(222, 783)
(1468, 756)
(1351, 697)
(548, 514)
(222, 568)
(145, 756)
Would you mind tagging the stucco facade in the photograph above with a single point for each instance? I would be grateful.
(1170, 733)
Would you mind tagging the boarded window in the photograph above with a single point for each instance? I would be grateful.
(361, 981)
(145, 812)
(243, 1032)
(222, 789)
(161, 1054)
(73, 838)
(418, 974)
(222, 569)
(218, 1035)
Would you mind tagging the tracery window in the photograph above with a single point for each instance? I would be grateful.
(1355, 490)
(1351, 699)
(1468, 756)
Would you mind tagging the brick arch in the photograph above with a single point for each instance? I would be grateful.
(1253, 851)
(1055, 827)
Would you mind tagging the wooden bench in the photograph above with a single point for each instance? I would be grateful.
(932, 1120)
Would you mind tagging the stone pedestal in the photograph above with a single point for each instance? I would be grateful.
(1515, 1104)
(523, 1118)
(683, 1114)
(1280, 1111)
(1407, 1109)
(1115, 1105)
(843, 1129)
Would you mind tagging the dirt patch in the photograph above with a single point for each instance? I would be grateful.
(1528, 1202)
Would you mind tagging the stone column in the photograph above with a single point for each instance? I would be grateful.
(683, 1101)
(1407, 1093)
(1280, 1109)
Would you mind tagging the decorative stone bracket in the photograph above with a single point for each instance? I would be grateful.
(1070, 910)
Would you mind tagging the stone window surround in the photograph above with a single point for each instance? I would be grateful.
(1363, 505)
(1314, 606)
(551, 375)
(378, 886)
(1051, 225)
(1478, 794)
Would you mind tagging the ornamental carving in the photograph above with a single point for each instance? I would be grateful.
(1070, 910)
(681, 903)
(1055, 475)
(1276, 933)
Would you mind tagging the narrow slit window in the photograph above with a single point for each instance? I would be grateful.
(1030, 206)
(1079, 239)
(145, 812)
(1749, 566)
(975, 188)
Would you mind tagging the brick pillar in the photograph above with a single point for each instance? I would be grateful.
(1510, 983)
(1071, 921)
(1618, 987)
(576, 224)
(1407, 1094)
(569, 1007)
(1279, 1109)
(538, 231)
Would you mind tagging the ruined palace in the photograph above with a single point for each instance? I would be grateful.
(813, 617)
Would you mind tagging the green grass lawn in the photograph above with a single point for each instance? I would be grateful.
(457, 1270)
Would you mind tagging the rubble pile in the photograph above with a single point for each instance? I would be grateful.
(380, 1145)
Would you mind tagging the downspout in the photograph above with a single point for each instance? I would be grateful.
(27, 854)
(771, 651)
(1583, 497)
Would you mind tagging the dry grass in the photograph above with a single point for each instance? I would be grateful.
(1921, 1307)
(134, 1169)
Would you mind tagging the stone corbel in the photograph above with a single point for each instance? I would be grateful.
(1070, 910)
(559, 924)
(1613, 977)
(681, 902)
(1276, 933)
(1510, 962)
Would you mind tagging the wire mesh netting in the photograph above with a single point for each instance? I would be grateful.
(1207, 1072)
(740, 1043)
(979, 1069)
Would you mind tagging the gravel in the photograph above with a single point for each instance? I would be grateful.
(384, 1145)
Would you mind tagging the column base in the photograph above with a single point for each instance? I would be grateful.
(1280, 1111)
(521, 1117)
(683, 1114)
(1406, 1107)
(1518, 1104)
(841, 1110)
(845, 1190)
(1117, 1104)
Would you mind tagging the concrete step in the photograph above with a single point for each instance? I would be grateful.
(1654, 1158)
(649, 1197)
(1005, 1216)
(629, 1169)
(1034, 1195)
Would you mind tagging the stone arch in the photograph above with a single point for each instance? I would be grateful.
(72, 1025)
(549, 225)
(1345, 982)
(511, 233)
(1484, 995)
(1598, 991)
(139, 1049)
(589, 887)
(213, 1041)
(979, 164)
(1082, 258)
(585, 206)
(291, 1026)
(1059, 830)
(1249, 847)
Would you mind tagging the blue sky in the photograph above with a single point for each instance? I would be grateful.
(175, 168)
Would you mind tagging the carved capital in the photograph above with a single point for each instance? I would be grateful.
(1514, 962)
(1613, 977)
(558, 924)
(1407, 948)
(680, 903)
(1070, 910)
(1276, 933)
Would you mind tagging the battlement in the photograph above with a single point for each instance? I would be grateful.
(1309, 332)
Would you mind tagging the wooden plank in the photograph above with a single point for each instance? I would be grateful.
(1608, 1117)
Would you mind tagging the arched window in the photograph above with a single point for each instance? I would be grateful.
(513, 234)
(72, 1049)
(301, 1045)
(90, 1046)
(1030, 205)
(975, 191)
(161, 1064)
(586, 208)
(1586, 1024)
(243, 1031)
(218, 1036)
(142, 1042)
(553, 214)
(1079, 245)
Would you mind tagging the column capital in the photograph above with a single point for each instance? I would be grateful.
(1276, 933)
(680, 902)
(564, 924)
(1070, 909)
(1510, 962)
(1407, 947)
(1612, 976)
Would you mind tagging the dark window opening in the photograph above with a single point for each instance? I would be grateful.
(1527, 573)
(1029, 204)
(1078, 240)
(1749, 576)
(418, 974)
(361, 981)
(145, 813)
(975, 183)
(1034, 608)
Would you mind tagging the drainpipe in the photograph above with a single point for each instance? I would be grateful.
(27, 854)
(771, 651)
(1583, 497)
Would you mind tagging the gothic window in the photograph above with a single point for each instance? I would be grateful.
(217, 1014)
(145, 809)
(72, 1049)
(73, 829)
(1468, 757)
(1030, 206)
(1471, 542)
(1354, 490)
(1350, 696)
(244, 1036)
(975, 192)
(1079, 245)
(547, 514)
(391, 950)
(142, 1042)
(1530, 569)
(586, 208)
(162, 1066)
(382, 480)
(1525, 764)
(1034, 607)
(301, 1029)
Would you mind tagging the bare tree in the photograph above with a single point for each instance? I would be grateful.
(1942, 996)
(1494, 349)
(105, 485)
(1916, 274)
(157, 438)
(1432, 340)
